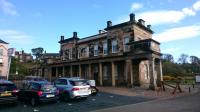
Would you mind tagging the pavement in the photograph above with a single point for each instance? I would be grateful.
(157, 94)
(189, 103)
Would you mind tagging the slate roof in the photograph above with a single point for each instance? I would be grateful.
(3, 42)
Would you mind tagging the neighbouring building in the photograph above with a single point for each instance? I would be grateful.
(23, 57)
(46, 59)
(120, 55)
(3, 58)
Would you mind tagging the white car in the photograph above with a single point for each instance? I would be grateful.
(72, 88)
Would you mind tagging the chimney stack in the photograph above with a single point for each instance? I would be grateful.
(75, 35)
(149, 26)
(132, 17)
(141, 21)
(109, 24)
(100, 31)
(62, 37)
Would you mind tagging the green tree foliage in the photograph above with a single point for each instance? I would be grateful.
(183, 68)
(19, 67)
(183, 58)
(168, 58)
(37, 52)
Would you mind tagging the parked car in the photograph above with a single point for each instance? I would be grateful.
(8, 92)
(93, 87)
(28, 79)
(38, 92)
(72, 88)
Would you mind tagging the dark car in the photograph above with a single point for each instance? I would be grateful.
(28, 79)
(93, 87)
(38, 92)
(8, 92)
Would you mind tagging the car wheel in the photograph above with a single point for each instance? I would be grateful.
(84, 98)
(33, 101)
(66, 97)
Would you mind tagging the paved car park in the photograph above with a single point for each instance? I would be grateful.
(100, 101)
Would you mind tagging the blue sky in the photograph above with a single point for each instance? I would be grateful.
(28, 24)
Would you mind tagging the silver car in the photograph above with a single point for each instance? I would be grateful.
(72, 88)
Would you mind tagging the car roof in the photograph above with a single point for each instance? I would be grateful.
(40, 82)
(72, 78)
(32, 77)
(5, 82)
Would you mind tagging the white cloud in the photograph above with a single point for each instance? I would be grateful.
(158, 17)
(15, 37)
(136, 6)
(178, 33)
(162, 16)
(189, 12)
(8, 8)
(196, 6)
(171, 49)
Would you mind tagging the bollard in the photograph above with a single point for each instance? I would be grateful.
(189, 90)
(193, 85)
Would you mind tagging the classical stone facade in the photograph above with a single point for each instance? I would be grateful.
(120, 55)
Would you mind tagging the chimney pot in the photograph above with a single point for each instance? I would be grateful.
(132, 17)
(109, 24)
(141, 21)
(62, 37)
(75, 34)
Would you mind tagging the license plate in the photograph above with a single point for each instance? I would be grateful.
(6, 94)
(50, 95)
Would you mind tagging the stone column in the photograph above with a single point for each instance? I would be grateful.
(152, 84)
(113, 73)
(100, 74)
(80, 72)
(89, 71)
(56, 72)
(71, 72)
(50, 73)
(129, 72)
(63, 71)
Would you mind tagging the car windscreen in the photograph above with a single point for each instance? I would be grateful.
(7, 87)
(39, 79)
(78, 82)
(48, 87)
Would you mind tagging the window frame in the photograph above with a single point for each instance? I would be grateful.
(114, 46)
(96, 50)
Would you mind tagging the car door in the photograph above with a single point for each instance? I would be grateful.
(32, 90)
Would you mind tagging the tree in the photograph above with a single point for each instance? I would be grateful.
(37, 52)
(183, 59)
(168, 58)
(194, 60)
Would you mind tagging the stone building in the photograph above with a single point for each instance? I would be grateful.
(120, 55)
(3, 58)
(23, 57)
